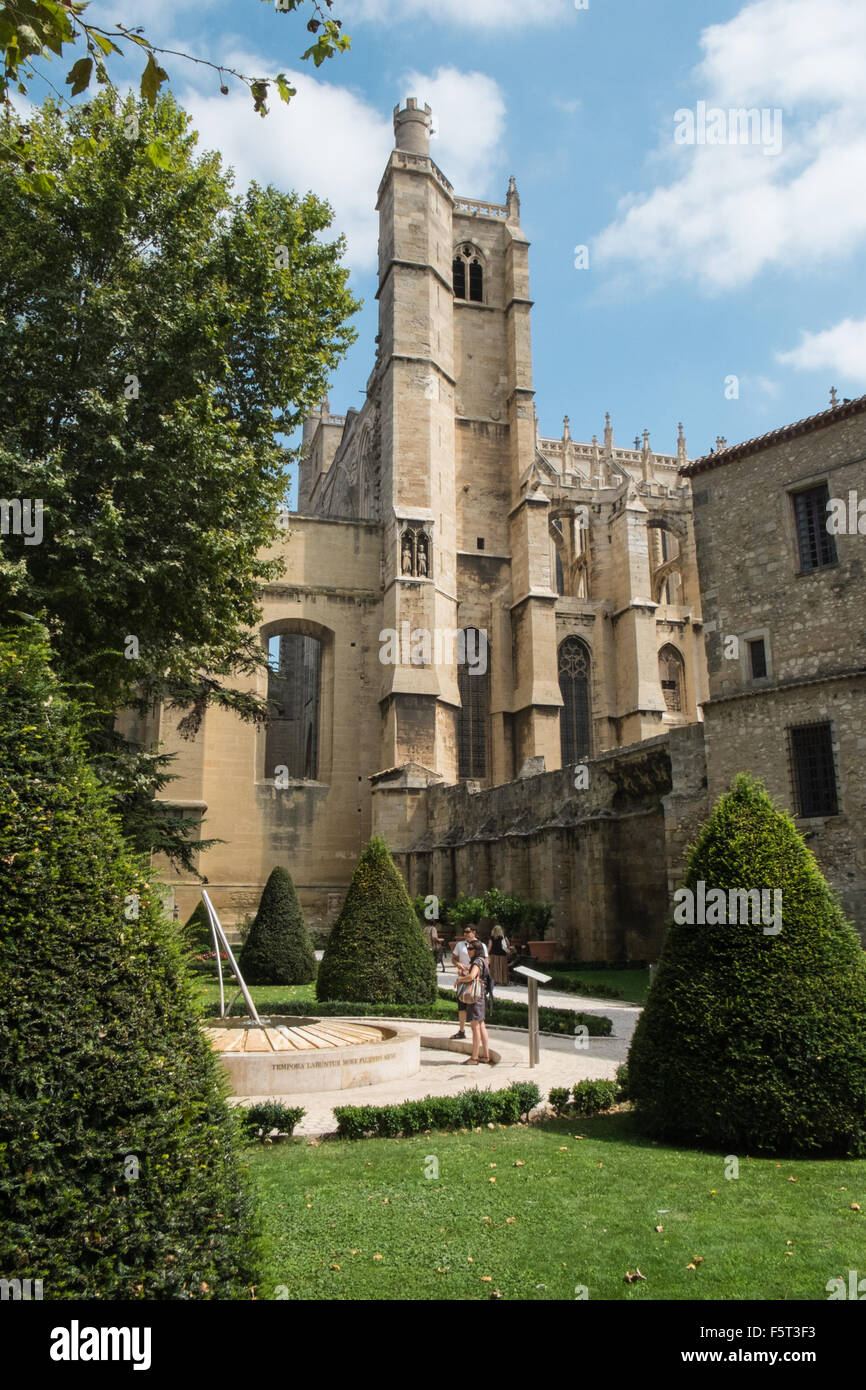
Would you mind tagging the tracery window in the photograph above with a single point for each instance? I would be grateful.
(575, 716)
(468, 272)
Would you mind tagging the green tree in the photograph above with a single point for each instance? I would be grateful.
(376, 952)
(120, 1174)
(754, 1039)
(278, 949)
(159, 335)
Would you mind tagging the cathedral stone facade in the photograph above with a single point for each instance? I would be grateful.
(487, 644)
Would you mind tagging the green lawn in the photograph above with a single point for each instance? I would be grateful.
(584, 1213)
(629, 985)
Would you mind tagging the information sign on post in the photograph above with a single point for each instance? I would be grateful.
(533, 979)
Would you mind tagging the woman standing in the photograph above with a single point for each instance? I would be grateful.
(499, 956)
(472, 994)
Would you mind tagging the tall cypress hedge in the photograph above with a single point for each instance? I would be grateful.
(753, 1040)
(120, 1175)
(377, 952)
(278, 949)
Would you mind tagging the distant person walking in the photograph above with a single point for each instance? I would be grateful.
(499, 949)
(472, 987)
(435, 942)
(460, 958)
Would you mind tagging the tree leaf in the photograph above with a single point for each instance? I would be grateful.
(79, 75)
(152, 79)
(158, 154)
(105, 43)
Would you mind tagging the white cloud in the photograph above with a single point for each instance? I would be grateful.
(730, 211)
(841, 349)
(461, 102)
(327, 140)
(500, 14)
(331, 141)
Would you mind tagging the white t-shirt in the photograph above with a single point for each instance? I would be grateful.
(461, 951)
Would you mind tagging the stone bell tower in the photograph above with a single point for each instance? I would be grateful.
(414, 383)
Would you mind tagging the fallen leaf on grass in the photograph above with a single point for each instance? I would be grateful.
(487, 1278)
(510, 1220)
(698, 1259)
(335, 1266)
(633, 1278)
(659, 1229)
(855, 1206)
(377, 1257)
(518, 1163)
(491, 1180)
(793, 1180)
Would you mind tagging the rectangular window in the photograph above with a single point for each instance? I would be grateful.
(758, 659)
(479, 541)
(815, 544)
(813, 770)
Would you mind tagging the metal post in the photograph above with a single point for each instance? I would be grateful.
(533, 1022)
(216, 928)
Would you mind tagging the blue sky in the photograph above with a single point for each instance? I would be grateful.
(706, 261)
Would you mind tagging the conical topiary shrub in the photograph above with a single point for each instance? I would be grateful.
(376, 952)
(120, 1177)
(754, 1038)
(197, 934)
(278, 949)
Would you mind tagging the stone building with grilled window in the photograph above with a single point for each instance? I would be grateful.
(487, 644)
(783, 586)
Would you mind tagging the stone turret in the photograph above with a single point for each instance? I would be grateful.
(412, 127)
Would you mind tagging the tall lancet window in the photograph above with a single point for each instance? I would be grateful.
(468, 273)
(472, 684)
(294, 693)
(672, 676)
(574, 717)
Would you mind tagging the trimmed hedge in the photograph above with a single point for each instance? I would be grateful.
(259, 1120)
(466, 1111)
(591, 1097)
(755, 1042)
(278, 949)
(376, 952)
(120, 1174)
(511, 1014)
(588, 1097)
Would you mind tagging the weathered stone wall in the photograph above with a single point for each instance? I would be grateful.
(811, 623)
(331, 589)
(606, 857)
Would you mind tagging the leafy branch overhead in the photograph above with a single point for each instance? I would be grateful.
(32, 31)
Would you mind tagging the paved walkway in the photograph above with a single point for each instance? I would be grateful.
(444, 1072)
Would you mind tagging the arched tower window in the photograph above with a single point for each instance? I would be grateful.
(672, 677)
(472, 684)
(468, 272)
(294, 694)
(575, 716)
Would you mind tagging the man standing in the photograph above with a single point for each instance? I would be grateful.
(434, 941)
(460, 957)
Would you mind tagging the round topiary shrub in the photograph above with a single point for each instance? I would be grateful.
(120, 1176)
(278, 949)
(754, 1039)
(376, 952)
